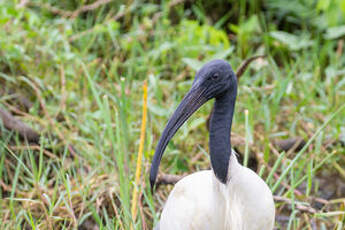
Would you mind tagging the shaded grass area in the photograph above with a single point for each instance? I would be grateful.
(81, 65)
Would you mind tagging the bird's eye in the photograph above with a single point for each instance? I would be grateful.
(215, 76)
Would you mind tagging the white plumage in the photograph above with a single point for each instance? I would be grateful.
(200, 202)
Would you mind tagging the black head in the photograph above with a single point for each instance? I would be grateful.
(213, 80)
(216, 77)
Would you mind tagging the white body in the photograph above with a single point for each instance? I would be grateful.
(199, 201)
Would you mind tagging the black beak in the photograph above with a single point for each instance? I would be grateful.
(194, 99)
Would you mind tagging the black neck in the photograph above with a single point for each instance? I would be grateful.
(220, 133)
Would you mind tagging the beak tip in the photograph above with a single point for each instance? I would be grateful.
(152, 180)
(152, 184)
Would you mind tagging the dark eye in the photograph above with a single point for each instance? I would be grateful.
(215, 76)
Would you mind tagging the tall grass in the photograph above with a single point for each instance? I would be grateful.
(84, 76)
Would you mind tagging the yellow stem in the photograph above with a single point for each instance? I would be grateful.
(140, 156)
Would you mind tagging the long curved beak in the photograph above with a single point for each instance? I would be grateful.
(193, 100)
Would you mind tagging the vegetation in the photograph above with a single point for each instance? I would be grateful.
(73, 70)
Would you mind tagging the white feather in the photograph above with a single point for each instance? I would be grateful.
(200, 202)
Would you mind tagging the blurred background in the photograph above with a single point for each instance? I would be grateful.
(72, 75)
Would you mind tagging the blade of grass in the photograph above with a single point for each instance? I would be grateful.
(140, 156)
(299, 182)
(246, 150)
(275, 166)
(14, 183)
(299, 154)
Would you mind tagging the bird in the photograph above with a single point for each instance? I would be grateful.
(229, 196)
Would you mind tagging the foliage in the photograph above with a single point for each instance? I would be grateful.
(84, 72)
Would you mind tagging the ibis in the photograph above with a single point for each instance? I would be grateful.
(229, 196)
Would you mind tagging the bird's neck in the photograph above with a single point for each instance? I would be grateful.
(220, 130)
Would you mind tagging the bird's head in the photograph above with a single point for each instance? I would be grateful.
(213, 80)
(215, 77)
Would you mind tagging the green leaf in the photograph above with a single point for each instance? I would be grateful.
(292, 41)
(323, 4)
(223, 54)
(193, 63)
(335, 32)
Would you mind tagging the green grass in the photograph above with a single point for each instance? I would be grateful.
(86, 92)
